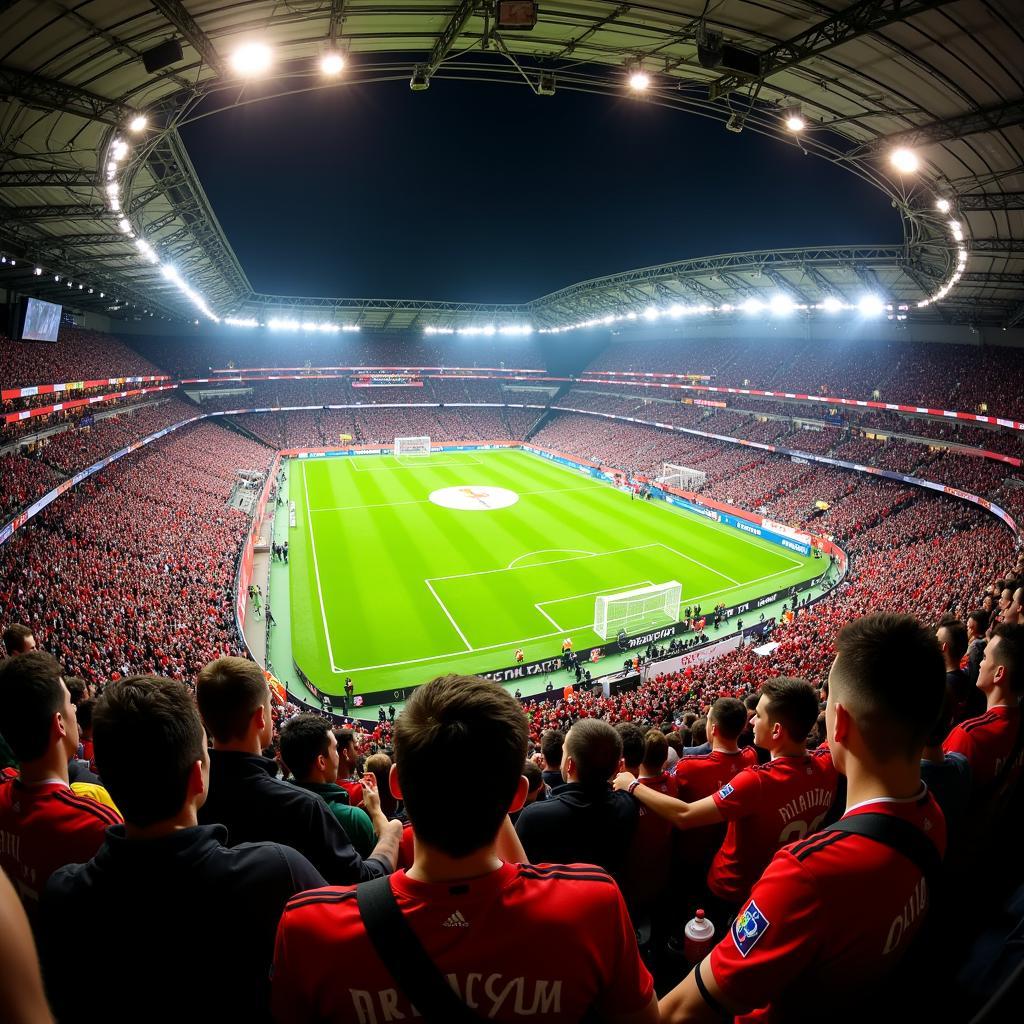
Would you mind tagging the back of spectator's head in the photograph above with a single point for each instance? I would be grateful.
(944, 722)
(699, 732)
(728, 716)
(593, 750)
(952, 637)
(18, 639)
(460, 720)
(655, 752)
(890, 677)
(792, 703)
(230, 691)
(632, 737)
(1003, 663)
(535, 780)
(980, 620)
(551, 742)
(78, 688)
(675, 740)
(84, 714)
(150, 747)
(379, 766)
(35, 709)
(306, 746)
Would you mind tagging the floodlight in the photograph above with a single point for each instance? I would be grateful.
(651, 313)
(794, 119)
(639, 80)
(871, 305)
(332, 63)
(252, 59)
(119, 149)
(38, 271)
(752, 306)
(781, 305)
(942, 205)
(138, 123)
(904, 160)
(419, 81)
(832, 304)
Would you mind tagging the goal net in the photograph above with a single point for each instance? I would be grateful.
(412, 445)
(683, 477)
(636, 610)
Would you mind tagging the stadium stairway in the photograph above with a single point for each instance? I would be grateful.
(548, 413)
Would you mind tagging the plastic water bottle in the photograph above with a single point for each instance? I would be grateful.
(700, 938)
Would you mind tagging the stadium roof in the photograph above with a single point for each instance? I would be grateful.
(941, 78)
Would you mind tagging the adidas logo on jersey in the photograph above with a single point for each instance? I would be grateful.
(456, 920)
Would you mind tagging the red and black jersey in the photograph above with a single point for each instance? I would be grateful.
(698, 776)
(987, 742)
(354, 790)
(491, 936)
(44, 827)
(807, 934)
(767, 806)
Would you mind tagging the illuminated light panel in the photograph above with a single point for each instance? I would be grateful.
(252, 59)
(332, 63)
(904, 160)
(639, 81)
(138, 123)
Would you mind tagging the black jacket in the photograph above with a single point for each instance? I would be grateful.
(255, 806)
(184, 925)
(576, 825)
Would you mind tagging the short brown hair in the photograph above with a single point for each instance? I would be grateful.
(460, 719)
(793, 704)
(15, 636)
(596, 748)
(655, 750)
(229, 691)
(889, 672)
(148, 735)
(729, 716)
(30, 695)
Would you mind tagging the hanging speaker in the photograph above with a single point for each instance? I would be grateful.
(161, 56)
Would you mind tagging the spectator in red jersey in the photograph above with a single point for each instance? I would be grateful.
(245, 793)
(18, 639)
(990, 742)
(585, 820)
(188, 871)
(22, 999)
(807, 937)
(348, 766)
(766, 805)
(460, 900)
(44, 823)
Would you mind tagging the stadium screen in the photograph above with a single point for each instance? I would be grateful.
(41, 321)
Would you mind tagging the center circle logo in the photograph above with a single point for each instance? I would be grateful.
(474, 498)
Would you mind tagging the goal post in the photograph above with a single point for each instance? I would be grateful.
(635, 610)
(683, 477)
(412, 446)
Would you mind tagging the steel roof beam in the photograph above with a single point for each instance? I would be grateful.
(1016, 317)
(1007, 245)
(47, 179)
(448, 35)
(988, 119)
(991, 201)
(46, 94)
(176, 14)
(77, 211)
(861, 18)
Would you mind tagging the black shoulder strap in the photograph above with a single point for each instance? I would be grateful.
(901, 836)
(1004, 773)
(416, 975)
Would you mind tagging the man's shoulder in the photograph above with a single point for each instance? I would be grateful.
(69, 810)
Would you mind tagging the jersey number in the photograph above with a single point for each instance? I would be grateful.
(796, 830)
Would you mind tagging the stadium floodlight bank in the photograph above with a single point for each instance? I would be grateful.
(683, 477)
(636, 610)
(412, 446)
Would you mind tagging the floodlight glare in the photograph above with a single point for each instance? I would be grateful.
(942, 205)
(639, 81)
(781, 305)
(794, 119)
(651, 313)
(119, 149)
(904, 160)
(138, 123)
(752, 306)
(332, 63)
(871, 305)
(832, 304)
(252, 59)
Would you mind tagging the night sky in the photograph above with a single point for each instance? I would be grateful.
(488, 193)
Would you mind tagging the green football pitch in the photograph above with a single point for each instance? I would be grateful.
(391, 588)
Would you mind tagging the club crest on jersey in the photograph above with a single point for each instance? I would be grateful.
(725, 790)
(748, 928)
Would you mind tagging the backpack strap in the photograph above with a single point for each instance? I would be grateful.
(402, 953)
(899, 835)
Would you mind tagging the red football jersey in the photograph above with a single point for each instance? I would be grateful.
(698, 776)
(987, 741)
(44, 827)
(325, 967)
(807, 934)
(354, 790)
(767, 806)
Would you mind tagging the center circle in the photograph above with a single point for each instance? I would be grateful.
(474, 498)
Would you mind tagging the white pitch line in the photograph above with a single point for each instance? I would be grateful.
(451, 619)
(426, 501)
(548, 617)
(547, 551)
(316, 569)
(554, 561)
(603, 590)
(690, 558)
